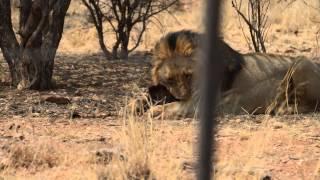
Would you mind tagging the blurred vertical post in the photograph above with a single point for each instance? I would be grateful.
(212, 69)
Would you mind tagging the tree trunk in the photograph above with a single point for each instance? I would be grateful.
(8, 42)
(97, 16)
(124, 52)
(103, 47)
(123, 41)
(41, 27)
(115, 49)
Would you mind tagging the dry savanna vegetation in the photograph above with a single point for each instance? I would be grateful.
(74, 127)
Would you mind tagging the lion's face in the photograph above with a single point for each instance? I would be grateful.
(176, 75)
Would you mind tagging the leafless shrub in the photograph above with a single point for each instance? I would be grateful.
(256, 20)
(124, 17)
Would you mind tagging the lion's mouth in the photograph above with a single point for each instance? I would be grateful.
(160, 94)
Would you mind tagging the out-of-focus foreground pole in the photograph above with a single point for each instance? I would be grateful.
(212, 70)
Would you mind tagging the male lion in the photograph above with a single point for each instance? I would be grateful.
(252, 83)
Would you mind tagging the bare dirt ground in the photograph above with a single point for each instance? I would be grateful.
(247, 148)
(74, 131)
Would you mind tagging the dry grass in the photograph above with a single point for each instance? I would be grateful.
(134, 138)
(33, 157)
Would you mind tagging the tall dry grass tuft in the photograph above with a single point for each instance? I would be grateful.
(135, 143)
(134, 163)
(32, 157)
(136, 104)
(143, 150)
(286, 100)
(137, 137)
(317, 171)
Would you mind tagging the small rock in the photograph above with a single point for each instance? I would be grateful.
(77, 98)
(294, 158)
(306, 50)
(102, 139)
(244, 138)
(77, 93)
(35, 114)
(75, 115)
(96, 98)
(266, 177)
(187, 165)
(277, 126)
(21, 137)
(11, 126)
(55, 99)
(289, 51)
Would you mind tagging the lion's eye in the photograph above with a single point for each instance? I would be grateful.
(170, 80)
(188, 76)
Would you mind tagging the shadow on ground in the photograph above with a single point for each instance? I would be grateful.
(94, 86)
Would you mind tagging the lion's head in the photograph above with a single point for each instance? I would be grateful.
(176, 75)
(176, 56)
(174, 62)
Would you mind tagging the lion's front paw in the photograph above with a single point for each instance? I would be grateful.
(156, 112)
(166, 111)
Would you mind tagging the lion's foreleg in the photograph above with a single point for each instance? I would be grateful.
(172, 110)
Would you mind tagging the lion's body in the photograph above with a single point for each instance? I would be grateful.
(256, 85)
(252, 83)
